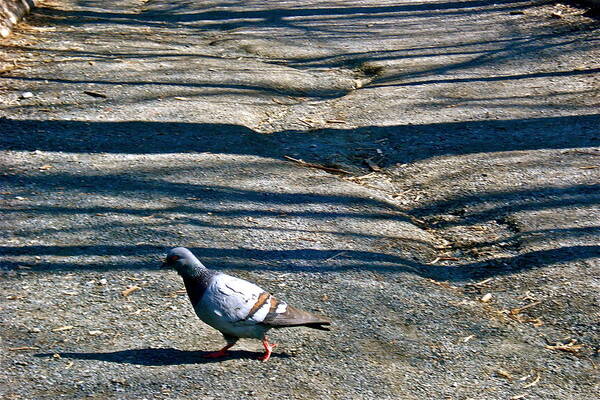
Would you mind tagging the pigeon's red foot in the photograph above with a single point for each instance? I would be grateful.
(268, 350)
(218, 354)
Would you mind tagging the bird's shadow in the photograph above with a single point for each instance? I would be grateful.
(159, 357)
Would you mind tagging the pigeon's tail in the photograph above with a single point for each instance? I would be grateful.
(323, 326)
(296, 317)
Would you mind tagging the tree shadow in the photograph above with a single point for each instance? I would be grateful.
(284, 261)
(522, 262)
(345, 147)
(309, 260)
(511, 201)
(217, 18)
(392, 80)
(336, 21)
(399, 144)
(160, 356)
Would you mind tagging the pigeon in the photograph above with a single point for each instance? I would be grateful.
(235, 307)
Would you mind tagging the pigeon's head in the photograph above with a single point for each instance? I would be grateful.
(183, 261)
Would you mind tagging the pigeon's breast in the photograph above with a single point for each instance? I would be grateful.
(195, 289)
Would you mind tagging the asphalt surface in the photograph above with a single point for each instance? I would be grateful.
(450, 229)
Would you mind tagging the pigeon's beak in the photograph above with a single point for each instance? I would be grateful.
(164, 265)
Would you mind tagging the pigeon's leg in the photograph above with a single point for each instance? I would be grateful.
(268, 349)
(223, 352)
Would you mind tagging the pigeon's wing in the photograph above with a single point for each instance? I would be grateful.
(281, 315)
(235, 300)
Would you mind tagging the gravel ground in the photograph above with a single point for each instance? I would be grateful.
(452, 235)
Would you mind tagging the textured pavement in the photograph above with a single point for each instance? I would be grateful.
(452, 235)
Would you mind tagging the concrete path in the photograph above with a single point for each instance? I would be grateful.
(450, 229)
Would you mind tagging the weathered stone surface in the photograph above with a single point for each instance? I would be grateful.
(458, 255)
(11, 11)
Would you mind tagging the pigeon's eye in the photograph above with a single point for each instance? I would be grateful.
(173, 258)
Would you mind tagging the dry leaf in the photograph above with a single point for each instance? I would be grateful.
(483, 282)
(524, 319)
(518, 310)
(130, 290)
(279, 101)
(534, 382)
(23, 348)
(63, 328)
(570, 347)
(442, 284)
(31, 28)
(536, 322)
(477, 228)
(317, 166)
(504, 374)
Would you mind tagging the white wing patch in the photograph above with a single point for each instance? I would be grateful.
(281, 308)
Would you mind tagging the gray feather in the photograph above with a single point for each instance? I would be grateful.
(296, 317)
